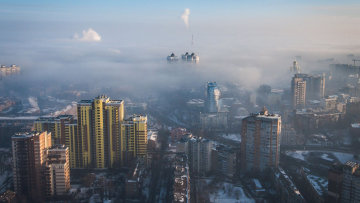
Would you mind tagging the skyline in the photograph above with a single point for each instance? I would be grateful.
(186, 101)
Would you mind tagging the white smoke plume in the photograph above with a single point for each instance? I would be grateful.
(185, 17)
(34, 105)
(69, 109)
(89, 35)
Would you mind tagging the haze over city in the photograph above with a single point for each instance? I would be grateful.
(243, 42)
(179, 101)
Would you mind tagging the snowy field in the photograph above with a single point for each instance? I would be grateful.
(230, 194)
(233, 137)
(320, 184)
(297, 154)
(327, 155)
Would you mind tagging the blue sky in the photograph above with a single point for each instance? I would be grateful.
(66, 10)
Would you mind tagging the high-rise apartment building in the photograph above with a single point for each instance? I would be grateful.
(99, 131)
(63, 130)
(57, 171)
(40, 171)
(223, 160)
(29, 161)
(306, 87)
(260, 141)
(199, 153)
(134, 137)
(335, 179)
(315, 87)
(212, 97)
(55, 125)
(350, 190)
(298, 92)
(99, 138)
(84, 126)
(72, 141)
(344, 183)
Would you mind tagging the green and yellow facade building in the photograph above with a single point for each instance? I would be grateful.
(100, 137)
(134, 137)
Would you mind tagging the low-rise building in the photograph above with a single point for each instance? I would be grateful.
(310, 119)
(181, 187)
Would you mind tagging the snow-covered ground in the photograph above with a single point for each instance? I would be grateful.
(297, 154)
(233, 137)
(343, 157)
(320, 184)
(327, 155)
(230, 194)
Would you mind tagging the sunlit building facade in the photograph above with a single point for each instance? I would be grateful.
(298, 92)
(306, 87)
(260, 141)
(99, 131)
(57, 171)
(29, 161)
(55, 125)
(72, 141)
(134, 137)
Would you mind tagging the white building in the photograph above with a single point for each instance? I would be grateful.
(172, 57)
(190, 57)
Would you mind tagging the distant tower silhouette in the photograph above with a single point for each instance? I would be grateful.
(295, 67)
(212, 97)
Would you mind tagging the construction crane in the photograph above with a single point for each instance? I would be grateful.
(355, 60)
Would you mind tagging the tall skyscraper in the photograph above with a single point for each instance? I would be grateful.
(99, 131)
(134, 137)
(55, 125)
(298, 92)
(29, 161)
(260, 141)
(84, 126)
(212, 97)
(306, 87)
(295, 67)
(57, 171)
(316, 87)
(72, 141)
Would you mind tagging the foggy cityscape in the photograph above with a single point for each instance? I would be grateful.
(160, 101)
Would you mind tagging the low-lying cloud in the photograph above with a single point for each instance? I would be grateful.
(89, 35)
